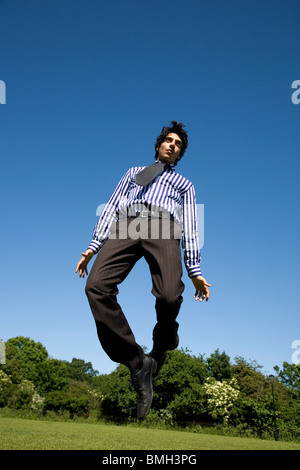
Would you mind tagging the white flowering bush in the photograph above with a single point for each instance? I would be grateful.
(34, 400)
(37, 402)
(166, 416)
(26, 387)
(97, 396)
(22, 395)
(5, 388)
(221, 396)
(4, 380)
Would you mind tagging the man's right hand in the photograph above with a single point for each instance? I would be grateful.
(83, 262)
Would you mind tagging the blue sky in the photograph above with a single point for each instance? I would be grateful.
(89, 84)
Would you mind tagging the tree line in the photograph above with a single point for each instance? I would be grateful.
(189, 391)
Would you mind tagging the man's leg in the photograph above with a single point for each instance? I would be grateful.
(113, 263)
(164, 259)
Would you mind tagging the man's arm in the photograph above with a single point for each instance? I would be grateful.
(190, 243)
(101, 231)
(202, 291)
(81, 266)
(109, 214)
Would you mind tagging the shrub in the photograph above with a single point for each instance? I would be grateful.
(5, 388)
(61, 401)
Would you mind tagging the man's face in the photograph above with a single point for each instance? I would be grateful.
(169, 151)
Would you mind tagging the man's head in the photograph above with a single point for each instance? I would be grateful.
(171, 144)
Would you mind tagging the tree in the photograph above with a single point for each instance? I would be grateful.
(6, 388)
(190, 405)
(80, 370)
(179, 372)
(178, 388)
(219, 366)
(254, 407)
(249, 379)
(290, 376)
(22, 355)
(61, 401)
(119, 398)
(50, 375)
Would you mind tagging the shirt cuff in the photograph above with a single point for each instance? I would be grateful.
(94, 246)
(194, 272)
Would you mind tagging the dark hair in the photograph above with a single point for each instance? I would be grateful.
(177, 128)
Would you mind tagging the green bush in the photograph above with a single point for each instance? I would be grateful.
(31, 381)
(61, 401)
(6, 387)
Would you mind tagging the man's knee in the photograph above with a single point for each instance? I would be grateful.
(171, 294)
(169, 301)
(93, 287)
(100, 288)
(90, 287)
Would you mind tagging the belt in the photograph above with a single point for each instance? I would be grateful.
(154, 215)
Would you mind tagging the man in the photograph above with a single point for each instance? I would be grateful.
(157, 201)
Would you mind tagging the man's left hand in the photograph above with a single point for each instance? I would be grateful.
(202, 291)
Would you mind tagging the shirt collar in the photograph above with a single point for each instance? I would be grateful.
(170, 166)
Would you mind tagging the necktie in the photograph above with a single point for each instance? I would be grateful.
(148, 174)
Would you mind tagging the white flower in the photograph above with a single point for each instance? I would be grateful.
(221, 397)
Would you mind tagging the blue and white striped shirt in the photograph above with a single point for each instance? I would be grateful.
(171, 192)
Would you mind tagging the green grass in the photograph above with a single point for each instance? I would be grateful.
(24, 434)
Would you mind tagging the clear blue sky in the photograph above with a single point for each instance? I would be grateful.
(89, 84)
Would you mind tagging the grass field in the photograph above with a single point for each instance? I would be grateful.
(24, 434)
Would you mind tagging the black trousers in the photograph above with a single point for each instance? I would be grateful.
(114, 262)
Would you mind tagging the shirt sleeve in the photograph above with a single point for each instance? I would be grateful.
(190, 238)
(109, 214)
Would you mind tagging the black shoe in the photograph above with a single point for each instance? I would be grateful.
(159, 357)
(141, 380)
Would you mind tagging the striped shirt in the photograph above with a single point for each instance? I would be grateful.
(169, 191)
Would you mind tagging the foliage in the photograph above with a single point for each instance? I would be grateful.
(181, 372)
(32, 380)
(188, 390)
(18, 396)
(219, 367)
(22, 356)
(65, 401)
(80, 370)
(5, 388)
(50, 375)
(189, 405)
(221, 397)
(119, 399)
(249, 378)
(290, 376)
